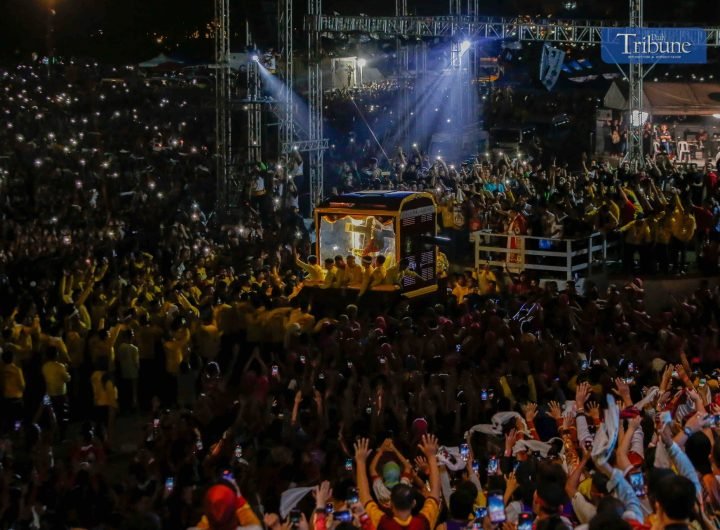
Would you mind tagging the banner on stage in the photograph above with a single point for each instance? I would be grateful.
(654, 45)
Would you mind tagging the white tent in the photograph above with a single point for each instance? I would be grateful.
(670, 99)
(158, 61)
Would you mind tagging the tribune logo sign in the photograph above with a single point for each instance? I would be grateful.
(654, 45)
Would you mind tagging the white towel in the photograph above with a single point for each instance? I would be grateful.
(534, 446)
(498, 420)
(607, 434)
(290, 498)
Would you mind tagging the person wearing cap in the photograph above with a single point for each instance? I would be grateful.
(402, 497)
(367, 273)
(392, 474)
(313, 270)
(379, 273)
(353, 272)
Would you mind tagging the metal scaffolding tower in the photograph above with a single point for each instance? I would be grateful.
(402, 60)
(254, 106)
(227, 186)
(285, 44)
(315, 104)
(635, 76)
(294, 136)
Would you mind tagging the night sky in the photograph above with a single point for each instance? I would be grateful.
(132, 30)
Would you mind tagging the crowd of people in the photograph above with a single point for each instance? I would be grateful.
(130, 313)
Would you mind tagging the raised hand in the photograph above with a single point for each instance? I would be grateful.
(530, 412)
(555, 410)
(666, 378)
(322, 494)
(511, 484)
(422, 464)
(593, 410)
(511, 439)
(362, 451)
(622, 389)
(582, 392)
(429, 446)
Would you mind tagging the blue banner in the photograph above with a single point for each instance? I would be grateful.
(654, 45)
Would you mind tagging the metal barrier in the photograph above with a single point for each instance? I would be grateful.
(567, 256)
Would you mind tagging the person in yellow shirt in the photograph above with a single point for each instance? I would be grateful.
(57, 377)
(300, 316)
(176, 350)
(638, 237)
(315, 272)
(402, 498)
(128, 361)
(683, 226)
(340, 271)
(442, 265)
(353, 272)
(147, 340)
(379, 273)
(274, 322)
(103, 344)
(662, 234)
(461, 289)
(105, 398)
(367, 273)
(487, 281)
(397, 274)
(75, 339)
(207, 337)
(330, 274)
(13, 390)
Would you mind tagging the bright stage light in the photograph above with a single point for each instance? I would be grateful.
(465, 46)
(361, 63)
(255, 58)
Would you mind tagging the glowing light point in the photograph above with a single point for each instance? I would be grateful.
(362, 63)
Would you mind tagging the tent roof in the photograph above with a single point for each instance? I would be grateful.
(670, 99)
(159, 60)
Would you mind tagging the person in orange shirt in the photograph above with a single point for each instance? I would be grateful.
(13, 389)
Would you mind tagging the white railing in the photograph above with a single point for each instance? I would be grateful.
(570, 257)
